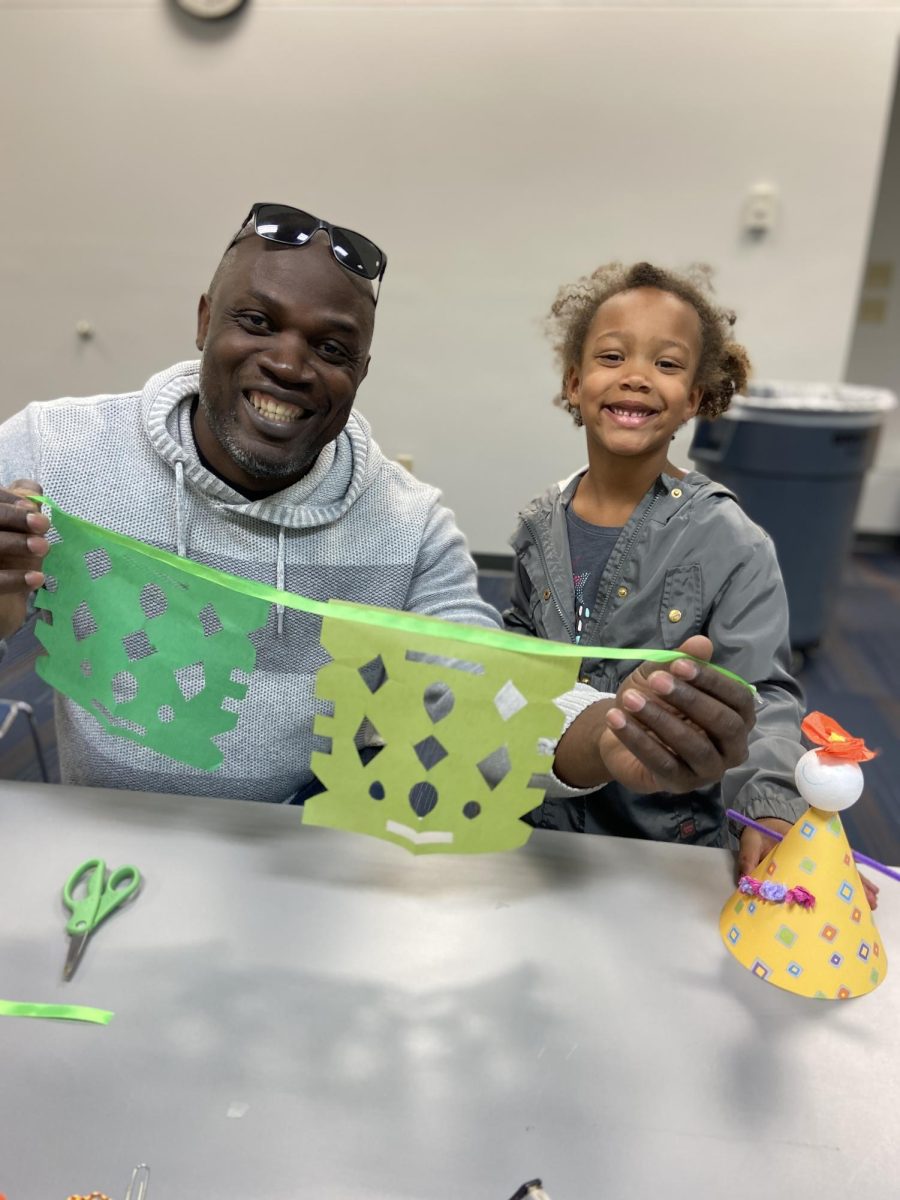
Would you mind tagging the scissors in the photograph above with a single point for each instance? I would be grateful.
(103, 897)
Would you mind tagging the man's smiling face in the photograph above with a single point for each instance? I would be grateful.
(285, 335)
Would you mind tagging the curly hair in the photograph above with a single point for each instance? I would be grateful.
(724, 366)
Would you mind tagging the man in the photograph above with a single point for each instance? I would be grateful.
(253, 461)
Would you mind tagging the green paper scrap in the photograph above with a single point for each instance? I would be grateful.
(460, 739)
(57, 1012)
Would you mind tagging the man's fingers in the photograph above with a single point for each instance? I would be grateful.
(670, 775)
(720, 707)
(702, 742)
(26, 487)
(12, 582)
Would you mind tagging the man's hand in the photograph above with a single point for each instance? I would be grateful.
(755, 846)
(672, 728)
(22, 550)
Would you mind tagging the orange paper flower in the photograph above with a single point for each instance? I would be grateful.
(835, 742)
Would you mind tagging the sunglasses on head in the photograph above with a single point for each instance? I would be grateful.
(293, 227)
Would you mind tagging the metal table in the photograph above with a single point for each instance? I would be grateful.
(307, 1013)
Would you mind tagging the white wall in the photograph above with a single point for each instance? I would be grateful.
(875, 350)
(494, 151)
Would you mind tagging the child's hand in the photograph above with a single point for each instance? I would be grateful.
(755, 846)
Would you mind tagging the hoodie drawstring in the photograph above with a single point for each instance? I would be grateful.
(180, 546)
(181, 542)
(279, 580)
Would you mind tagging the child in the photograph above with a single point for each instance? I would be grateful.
(634, 551)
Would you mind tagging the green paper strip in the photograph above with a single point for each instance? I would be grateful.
(57, 1012)
(384, 618)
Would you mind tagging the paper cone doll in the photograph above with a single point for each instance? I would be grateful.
(802, 921)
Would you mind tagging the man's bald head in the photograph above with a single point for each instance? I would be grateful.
(318, 241)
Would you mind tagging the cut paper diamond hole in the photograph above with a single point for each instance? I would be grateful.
(438, 701)
(51, 583)
(367, 741)
(86, 669)
(191, 680)
(472, 809)
(124, 687)
(422, 798)
(376, 790)
(429, 752)
(239, 676)
(374, 674)
(165, 713)
(83, 623)
(495, 767)
(209, 619)
(153, 601)
(367, 753)
(509, 700)
(97, 562)
(137, 646)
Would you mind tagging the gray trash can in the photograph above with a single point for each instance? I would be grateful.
(795, 455)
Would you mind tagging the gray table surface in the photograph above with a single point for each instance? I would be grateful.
(307, 1013)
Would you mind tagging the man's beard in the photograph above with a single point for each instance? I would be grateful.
(224, 428)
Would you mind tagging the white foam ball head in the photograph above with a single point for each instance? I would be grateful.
(831, 786)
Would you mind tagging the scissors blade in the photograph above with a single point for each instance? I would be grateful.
(76, 948)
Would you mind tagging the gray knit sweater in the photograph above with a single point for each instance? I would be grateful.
(357, 527)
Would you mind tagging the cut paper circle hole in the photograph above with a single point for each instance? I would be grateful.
(98, 563)
(423, 798)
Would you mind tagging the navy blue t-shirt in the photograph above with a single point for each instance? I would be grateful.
(589, 547)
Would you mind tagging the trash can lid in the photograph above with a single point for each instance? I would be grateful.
(771, 394)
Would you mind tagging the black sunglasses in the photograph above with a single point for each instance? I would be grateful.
(294, 227)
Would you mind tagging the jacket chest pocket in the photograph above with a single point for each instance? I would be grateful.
(680, 608)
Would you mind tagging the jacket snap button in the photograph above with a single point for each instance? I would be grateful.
(676, 492)
(622, 592)
(675, 615)
(546, 593)
(584, 679)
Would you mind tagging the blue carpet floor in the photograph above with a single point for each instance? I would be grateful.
(851, 677)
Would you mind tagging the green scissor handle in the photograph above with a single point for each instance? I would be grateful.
(103, 895)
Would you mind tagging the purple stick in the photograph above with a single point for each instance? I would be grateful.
(860, 858)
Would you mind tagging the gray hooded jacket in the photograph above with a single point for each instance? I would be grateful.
(688, 561)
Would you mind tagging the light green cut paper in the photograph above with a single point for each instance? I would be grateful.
(149, 650)
(453, 733)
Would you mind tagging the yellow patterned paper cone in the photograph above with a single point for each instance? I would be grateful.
(831, 951)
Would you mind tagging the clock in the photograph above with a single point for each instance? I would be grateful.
(209, 10)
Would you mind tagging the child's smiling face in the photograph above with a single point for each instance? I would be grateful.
(635, 385)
